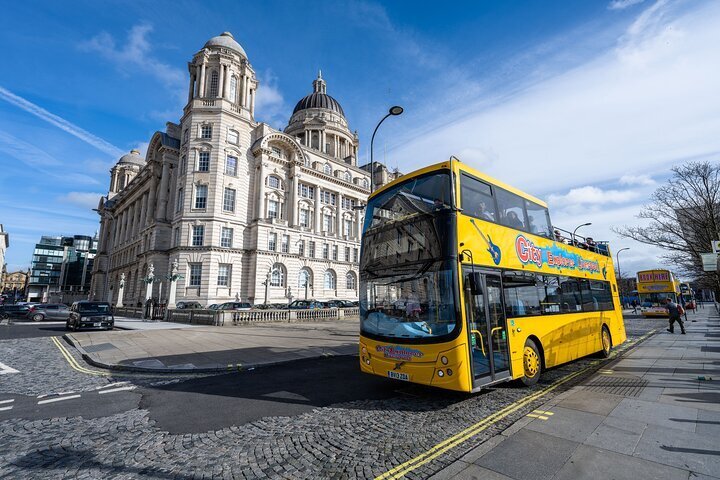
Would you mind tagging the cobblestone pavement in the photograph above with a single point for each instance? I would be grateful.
(357, 439)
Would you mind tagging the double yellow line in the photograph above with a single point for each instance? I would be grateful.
(73, 363)
(459, 438)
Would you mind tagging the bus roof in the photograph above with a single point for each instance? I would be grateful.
(458, 165)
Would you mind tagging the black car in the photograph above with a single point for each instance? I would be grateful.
(13, 311)
(95, 315)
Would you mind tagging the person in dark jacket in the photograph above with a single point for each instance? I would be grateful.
(674, 313)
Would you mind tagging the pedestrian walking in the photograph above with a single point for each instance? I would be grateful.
(674, 310)
(634, 305)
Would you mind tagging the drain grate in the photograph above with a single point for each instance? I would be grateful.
(624, 386)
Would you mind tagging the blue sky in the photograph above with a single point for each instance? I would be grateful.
(586, 106)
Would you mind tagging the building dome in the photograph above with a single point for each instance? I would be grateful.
(319, 99)
(132, 158)
(226, 40)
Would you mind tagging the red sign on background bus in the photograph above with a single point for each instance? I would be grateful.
(653, 276)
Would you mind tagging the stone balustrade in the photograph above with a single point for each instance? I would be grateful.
(237, 317)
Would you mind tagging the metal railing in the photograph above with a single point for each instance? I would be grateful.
(249, 317)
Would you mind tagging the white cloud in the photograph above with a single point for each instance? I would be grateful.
(592, 195)
(135, 55)
(642, 180)
(61, 123)
(269, 102)
(623, 4)
(82, 199)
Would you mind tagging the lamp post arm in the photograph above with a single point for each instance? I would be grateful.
(372, 161)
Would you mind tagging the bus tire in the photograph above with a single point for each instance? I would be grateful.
(532, 363)
(606, 342)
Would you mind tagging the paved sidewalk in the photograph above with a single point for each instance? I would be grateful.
(645, 415)
(129, 323)
(207, 349)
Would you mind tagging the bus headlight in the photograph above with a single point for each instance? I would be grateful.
(440, 373)
(364, 351)
(444, 360)
(449, 371)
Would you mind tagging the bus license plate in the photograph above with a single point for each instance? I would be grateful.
(398, 375)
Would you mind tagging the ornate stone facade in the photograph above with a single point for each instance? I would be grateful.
(246, 211)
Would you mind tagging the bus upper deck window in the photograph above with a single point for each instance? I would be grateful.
(538, 219)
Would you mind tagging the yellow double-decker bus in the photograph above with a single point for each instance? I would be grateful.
(465, 283)
(654, 286)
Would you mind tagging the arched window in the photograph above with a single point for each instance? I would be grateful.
(348, 178)
(233, 88)
(214, 84)
(274, 182)
(327, 169)
(350, 281)
(277, 275)
(329, 280)
(304, 278)
(365, 183)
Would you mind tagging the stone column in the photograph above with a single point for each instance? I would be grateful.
(293, 220)
(317, 223)
(151, 197)
(221, 82)
(339, 216)
(161, 208)
(202, 79)
(173, 284)
(356, 230)
(143, 211)
(260, 185)
(191, 88)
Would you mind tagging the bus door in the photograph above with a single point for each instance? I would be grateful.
(487, 327)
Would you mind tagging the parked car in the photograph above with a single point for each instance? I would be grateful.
(188, 305)
(279, 306)
(305, 305)
(213, 306)
(48, 311)
(85, 314)
(240, 306)
(13, 311)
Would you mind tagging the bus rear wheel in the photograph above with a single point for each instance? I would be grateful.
(532, 364)
(606, 342)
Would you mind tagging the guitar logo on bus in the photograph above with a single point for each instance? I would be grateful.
(492, 249)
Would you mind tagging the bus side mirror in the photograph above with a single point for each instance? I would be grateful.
(475, 283)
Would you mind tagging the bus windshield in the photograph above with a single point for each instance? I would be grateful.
(406, 266)
(656, 299)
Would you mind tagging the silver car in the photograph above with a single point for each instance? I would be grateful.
(48, 311)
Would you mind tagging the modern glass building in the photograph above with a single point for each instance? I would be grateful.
(61, 265)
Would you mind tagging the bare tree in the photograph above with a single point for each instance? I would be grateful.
(684, 216)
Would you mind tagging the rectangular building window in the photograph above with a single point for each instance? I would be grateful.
(355, 255)
(201, 192)
(229, 200)
(335, 252)
(183, 165)
(327, 223)
(223, 279)
(203, 162)
(304, 217)
(195, 274)
(272, 242)
(186, 136)
(285, 244)
(347, 254)
(176, 236)
(301, 248)
(198, 235)
(328, 197)
(311, 249)
(231, 166)
(206, 131)
(226, 237)
(273, 208)
(347, 227)
(348, 203)
(180, 200)
(306, 191)
(326, 251)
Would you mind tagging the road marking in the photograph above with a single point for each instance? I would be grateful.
(4, 369)
(464, 435)
(540, 417)
(7, 401)
(73, 363)
(59, 399)
(119, 389)
(116, 384)
(606, 371)
(2, 409)
(543, 412)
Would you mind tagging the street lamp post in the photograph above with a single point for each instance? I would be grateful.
(396, 110)
(617, 258)
(576, 229)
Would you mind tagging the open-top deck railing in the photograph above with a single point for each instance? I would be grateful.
(587, 243)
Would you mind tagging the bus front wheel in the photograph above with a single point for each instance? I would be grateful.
(606, 342)
(532, 363)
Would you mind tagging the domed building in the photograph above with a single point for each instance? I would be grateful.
(245, 211)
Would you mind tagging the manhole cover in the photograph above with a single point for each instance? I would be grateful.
(625, 386)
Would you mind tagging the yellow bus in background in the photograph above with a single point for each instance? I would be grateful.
(653, 287)
(464, 283)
